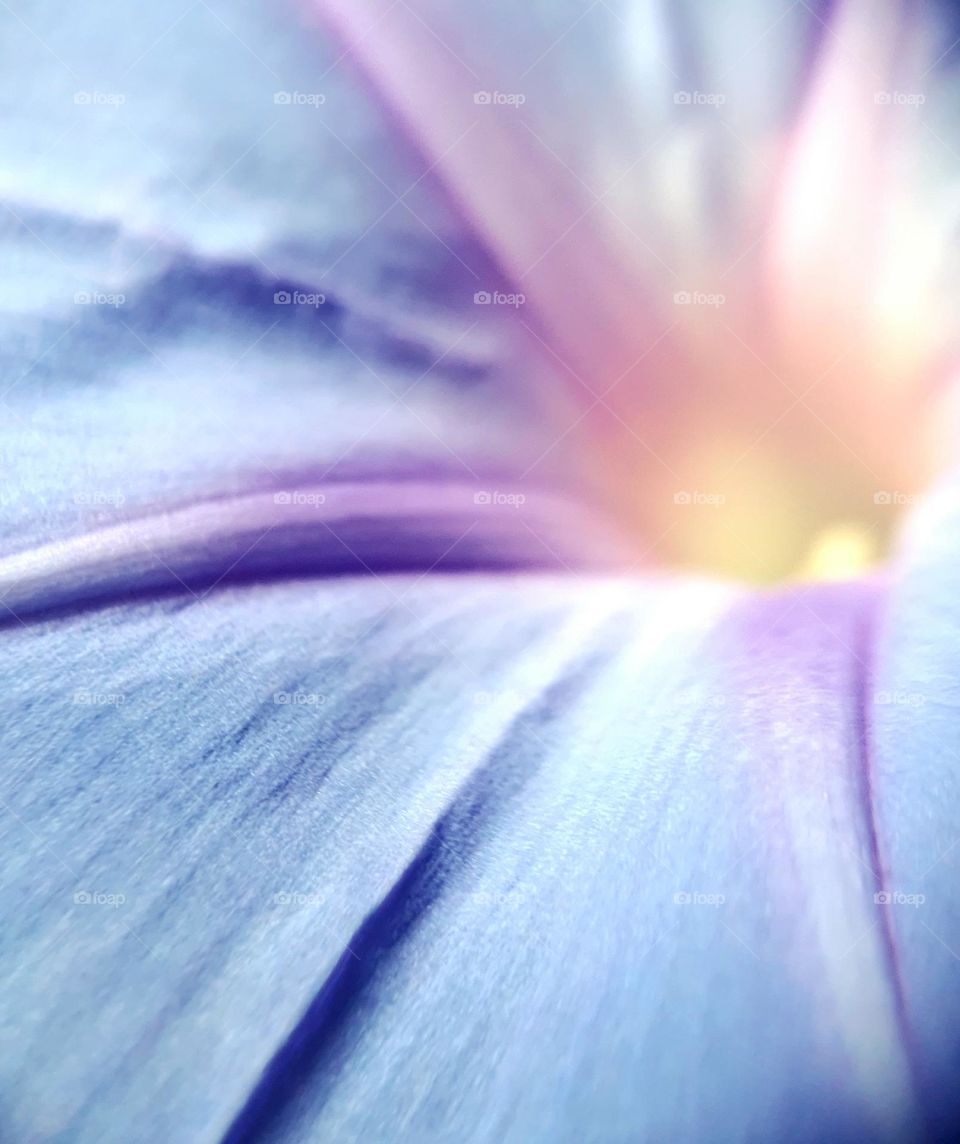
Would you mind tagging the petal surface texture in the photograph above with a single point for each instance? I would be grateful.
(428, 854)
(913, 701)
(465, 858)
(210, 293)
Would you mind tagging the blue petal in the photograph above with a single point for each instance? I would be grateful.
(461, 859)
(396, 858)
(914, 704)
(145, 358)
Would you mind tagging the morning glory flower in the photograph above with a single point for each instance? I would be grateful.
(402, 404)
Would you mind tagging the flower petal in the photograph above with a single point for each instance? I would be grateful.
(519, 858)
(915, 739)
(208, 293)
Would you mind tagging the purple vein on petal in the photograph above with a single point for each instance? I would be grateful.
(316, 529)
(817, 769)
(307, 1057)
(865, 652)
